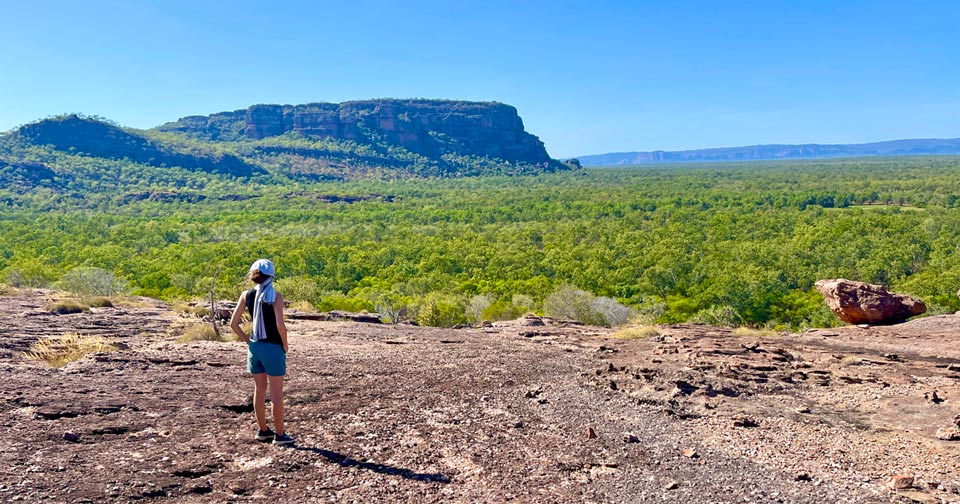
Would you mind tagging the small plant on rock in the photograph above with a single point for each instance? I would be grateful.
(749, 332)
(196, 310)
(199, 332)
(67, 306)
(304, 306)
(636, 332)
(100, 302)
(59, 350)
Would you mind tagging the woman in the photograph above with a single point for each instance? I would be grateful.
(266, 348)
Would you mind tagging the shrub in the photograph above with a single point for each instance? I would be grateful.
(441, 310)
(60, 350)
(503, 310)
(185, 283)
(29, 274)
(724, 316)
(612, 312)
(90, 281)
(523, 302)
(298, 289)
(67, 306)
(392, 306)
(572, 303)
(650, 311)
(198, 332)
(336, 301)
(476, 307)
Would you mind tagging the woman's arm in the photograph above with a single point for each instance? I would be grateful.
(281, 327)
(235, 320)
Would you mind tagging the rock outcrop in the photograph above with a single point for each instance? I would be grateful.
(72, 133)
(427, 127)
(862, 303)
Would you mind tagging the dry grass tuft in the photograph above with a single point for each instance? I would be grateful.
(197, 311)
(851, 360)
(303, 306)
(60, 350)
(198, 332)
(749, 332)
(636, 332)
(99, 302)
(66, 306)
(133, 301)
(246, 326)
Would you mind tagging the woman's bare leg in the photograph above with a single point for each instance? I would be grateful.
(259, 398)
(276, 399)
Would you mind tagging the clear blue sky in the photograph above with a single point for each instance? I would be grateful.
(587, 77)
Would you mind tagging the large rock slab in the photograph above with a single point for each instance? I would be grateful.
(862, 303)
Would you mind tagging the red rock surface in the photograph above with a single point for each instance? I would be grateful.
(386, 413)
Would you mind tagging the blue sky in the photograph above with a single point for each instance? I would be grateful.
(587, 77)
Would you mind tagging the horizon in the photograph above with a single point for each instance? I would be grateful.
(585, 79)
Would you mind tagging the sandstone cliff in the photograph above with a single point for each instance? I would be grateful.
(427, 127)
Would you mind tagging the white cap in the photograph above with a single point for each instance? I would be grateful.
(264, 266)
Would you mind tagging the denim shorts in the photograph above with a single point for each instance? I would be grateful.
(263, 357)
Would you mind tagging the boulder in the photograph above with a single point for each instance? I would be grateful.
(863, 303)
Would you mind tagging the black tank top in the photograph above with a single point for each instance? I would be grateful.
(269, 318)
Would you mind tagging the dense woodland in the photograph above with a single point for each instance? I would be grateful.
(737, 244)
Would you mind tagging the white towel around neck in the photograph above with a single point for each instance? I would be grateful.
(265, 294)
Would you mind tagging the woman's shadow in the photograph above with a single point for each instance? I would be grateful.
(345, 461)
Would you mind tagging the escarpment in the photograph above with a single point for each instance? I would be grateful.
(431, 128)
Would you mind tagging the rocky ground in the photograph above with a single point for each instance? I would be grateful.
(517, 412)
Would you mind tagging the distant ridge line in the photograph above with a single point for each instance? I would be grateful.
(911, 147)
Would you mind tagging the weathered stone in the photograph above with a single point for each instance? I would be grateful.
(630, 438)
(860, 303)
(531, 321)
(900, 481)
(744, 422)
(948, 434)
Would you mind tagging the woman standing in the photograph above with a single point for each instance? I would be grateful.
(266, 348)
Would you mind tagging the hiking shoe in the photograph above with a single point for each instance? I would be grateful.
(265, 436)
(283, 440)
